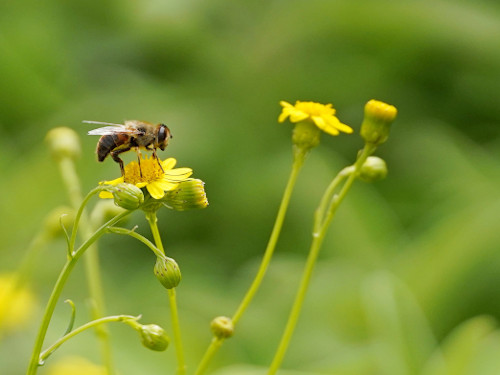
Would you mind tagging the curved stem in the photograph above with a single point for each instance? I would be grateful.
(216, 343)
(174, 316)
(91, 260)
(115, 318)
(317, 240)
(78, 217)
(273, 240)
(58, 287)
(327, 196)
(144, 240)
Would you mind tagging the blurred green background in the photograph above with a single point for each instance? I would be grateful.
(408, 279)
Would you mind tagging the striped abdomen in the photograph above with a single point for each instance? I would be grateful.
(108, 143)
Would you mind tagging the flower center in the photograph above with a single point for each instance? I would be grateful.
(150, 168)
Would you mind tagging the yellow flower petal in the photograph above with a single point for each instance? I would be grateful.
(344, 128)
(296, 116)
(283, 116)
(168, 163)
(332, 130)
(155, 190)
(157, 176)
(327, 127)
(116, 181)
(178, 174)
(323, 116)
(285, 104)
(166, 185)
(105, 195)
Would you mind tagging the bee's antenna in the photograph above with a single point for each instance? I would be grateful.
(101, 123)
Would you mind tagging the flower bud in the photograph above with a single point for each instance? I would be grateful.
(222, 327)
(190, 194)
(154, 337)
(63, 142)
(306, 135)
(167, 271)
(373, 169)
(126, 196)
(377, 122)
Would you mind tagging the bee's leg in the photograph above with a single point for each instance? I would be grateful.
(114, 155)
(157, 159)
(138, 152)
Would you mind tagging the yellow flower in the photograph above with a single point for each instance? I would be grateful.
(16, 303)
(323, 116)
(156, 180)
(76, 366)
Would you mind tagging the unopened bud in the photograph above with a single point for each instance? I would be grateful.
(126, 196)
(167, 271)
(305, 136)
(222, 327)
(377, 121)
(190, 194)
(154, 337)
(63, 142)
(373, 169)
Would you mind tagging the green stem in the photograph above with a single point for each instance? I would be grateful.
(273, 240)
(91, 260)
(58, 287)
(174, 316)
(216, 343)
(212, 349)
(327, 196)
(144, 240)
(78, 217)
(181, 364)
(321, 223)
(116, 318)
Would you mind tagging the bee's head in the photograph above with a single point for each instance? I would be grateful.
(163, 136)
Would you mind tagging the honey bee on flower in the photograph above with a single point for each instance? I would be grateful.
(118, 138)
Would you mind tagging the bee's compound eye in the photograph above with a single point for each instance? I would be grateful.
(163, 136)
(162, 133)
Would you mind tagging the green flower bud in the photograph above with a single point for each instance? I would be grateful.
(167, 271)
(222, 327)
(154, 337)
(305, 136)
(126, 196)
(190, 194)
(103, 211)
(53, 220)
(63, 143)
(377, 122)
(373, 169)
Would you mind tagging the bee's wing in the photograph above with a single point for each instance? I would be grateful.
(110, 130)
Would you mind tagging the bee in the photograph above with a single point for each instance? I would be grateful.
(118, 138)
